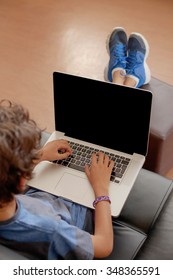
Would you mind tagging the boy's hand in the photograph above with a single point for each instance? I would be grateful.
(55, 150)
(99, 173)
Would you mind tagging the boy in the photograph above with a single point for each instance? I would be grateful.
(39, 220)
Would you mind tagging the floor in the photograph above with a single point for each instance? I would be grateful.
(39, 37)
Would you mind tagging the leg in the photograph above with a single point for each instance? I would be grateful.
(137, 70)
(117, 49)
(118, 77)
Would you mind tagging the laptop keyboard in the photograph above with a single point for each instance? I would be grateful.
(82, 155)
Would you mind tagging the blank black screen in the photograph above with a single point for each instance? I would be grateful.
(102, 113)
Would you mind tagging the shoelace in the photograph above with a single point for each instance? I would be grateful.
(119, 53)
(134, 60)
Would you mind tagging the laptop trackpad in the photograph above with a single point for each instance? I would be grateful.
(75, 188)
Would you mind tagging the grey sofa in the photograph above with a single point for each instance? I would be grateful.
(144, 230)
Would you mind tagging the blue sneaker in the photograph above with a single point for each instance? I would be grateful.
(137, 67)
(117, 49)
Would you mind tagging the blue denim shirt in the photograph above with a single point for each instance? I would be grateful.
(42, 217)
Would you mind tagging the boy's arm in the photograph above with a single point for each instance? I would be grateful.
(99, 176)
(103, 235)
(54, 150)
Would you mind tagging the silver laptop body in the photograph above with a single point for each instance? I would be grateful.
(96, 115)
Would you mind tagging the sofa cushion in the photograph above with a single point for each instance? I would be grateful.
(127, 242)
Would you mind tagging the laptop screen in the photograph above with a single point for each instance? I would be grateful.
(103, 113)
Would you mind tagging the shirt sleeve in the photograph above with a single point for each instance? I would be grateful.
(70, 243)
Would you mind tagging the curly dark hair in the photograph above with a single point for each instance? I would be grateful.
(19, 145)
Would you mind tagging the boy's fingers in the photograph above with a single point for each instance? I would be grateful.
(87, 170)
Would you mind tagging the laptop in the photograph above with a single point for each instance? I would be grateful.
(96, 115)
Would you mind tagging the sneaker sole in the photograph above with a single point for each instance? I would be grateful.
(147, 70)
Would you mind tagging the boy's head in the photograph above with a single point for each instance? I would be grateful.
(19, 144)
